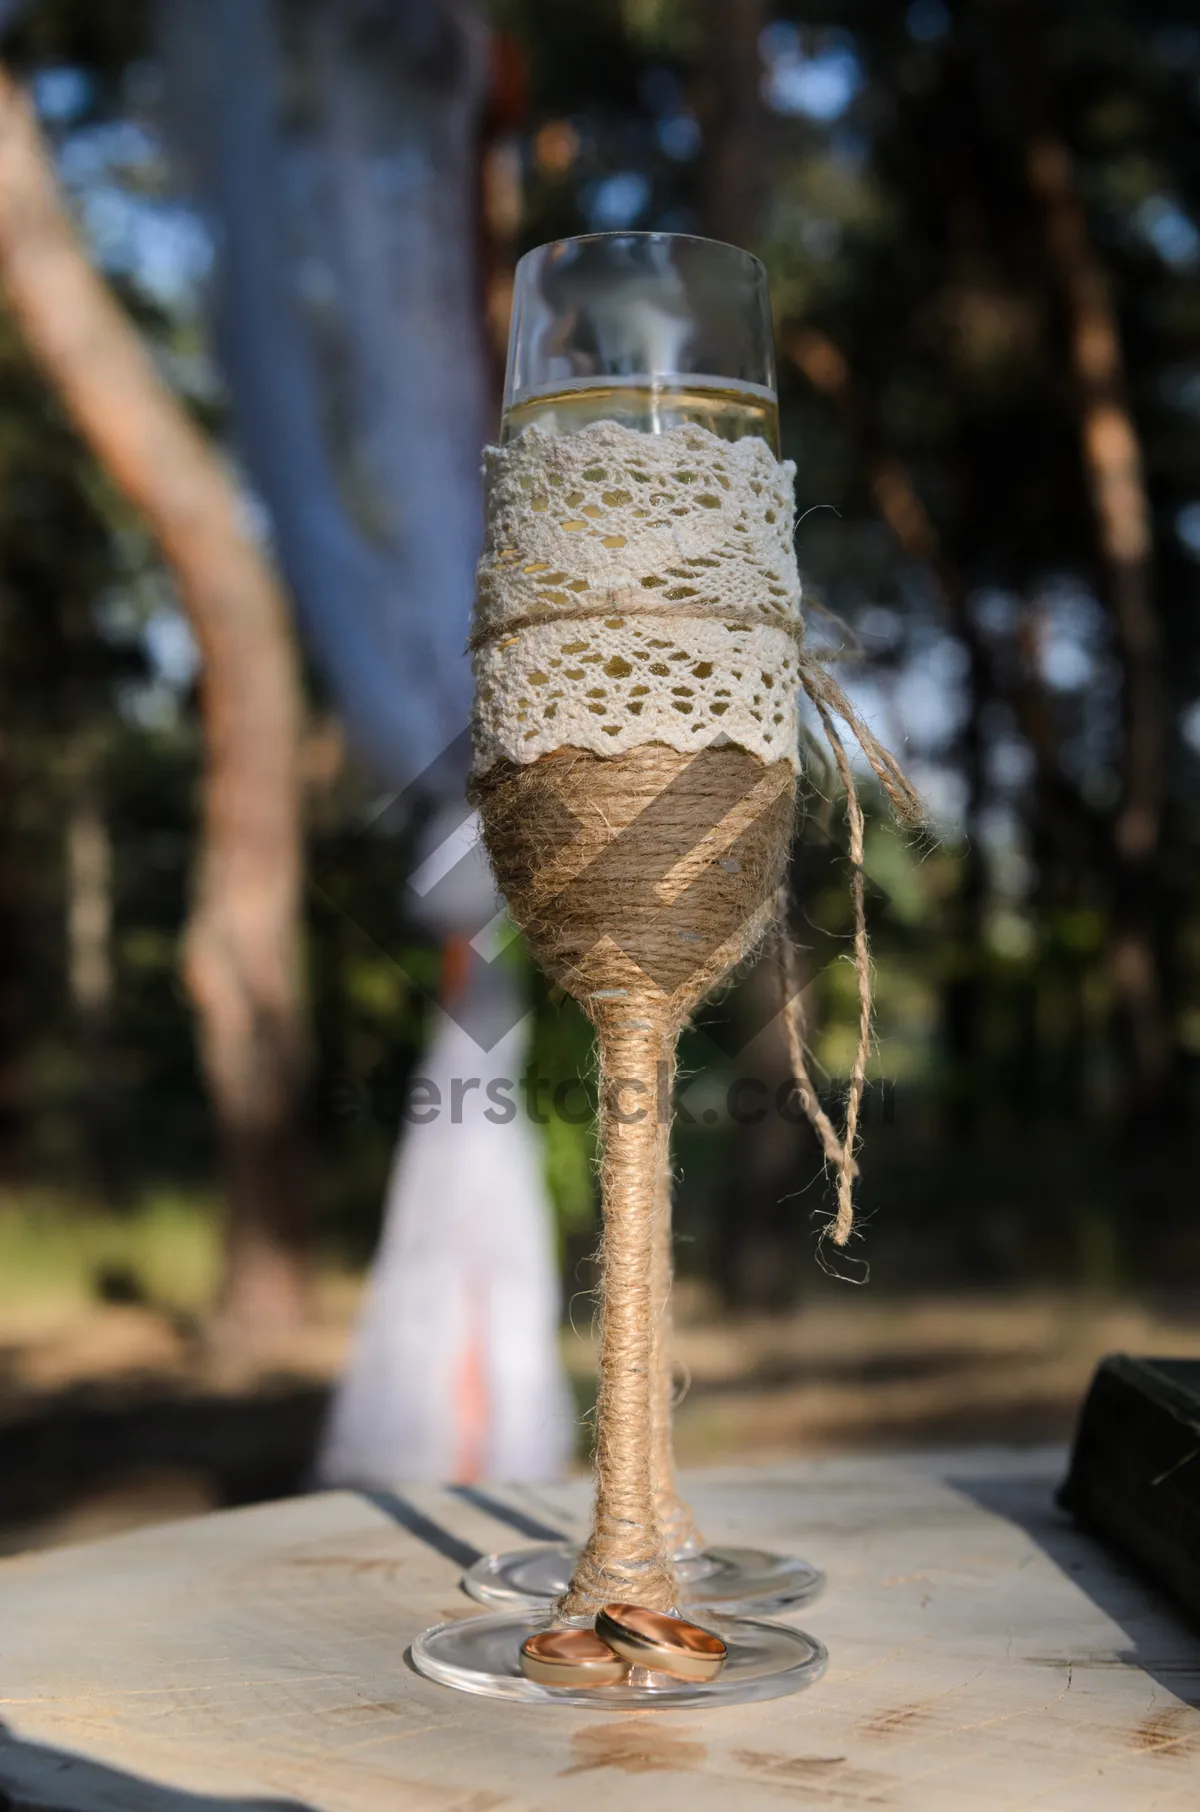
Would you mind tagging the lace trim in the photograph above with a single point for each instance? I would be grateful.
(687, 540)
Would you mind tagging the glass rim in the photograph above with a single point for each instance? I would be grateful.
(644, 234)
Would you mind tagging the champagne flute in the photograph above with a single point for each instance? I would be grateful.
(652, 333)
(649, 330)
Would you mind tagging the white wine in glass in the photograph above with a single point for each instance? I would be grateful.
(730, 411)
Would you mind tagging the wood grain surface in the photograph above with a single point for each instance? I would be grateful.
(983, 1655)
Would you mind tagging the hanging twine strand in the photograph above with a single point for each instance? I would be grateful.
(839, 1151)
(829, 700)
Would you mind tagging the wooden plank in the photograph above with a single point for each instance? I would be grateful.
(984, 1655)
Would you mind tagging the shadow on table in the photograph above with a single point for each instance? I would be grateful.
(37, 1778)
(1161, 1643)
(443, 1541)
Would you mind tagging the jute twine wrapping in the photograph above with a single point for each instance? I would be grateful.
(640, 877)
(681, 1538)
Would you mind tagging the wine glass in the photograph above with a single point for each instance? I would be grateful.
(652, 332)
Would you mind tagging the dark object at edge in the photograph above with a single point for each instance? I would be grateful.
(1135, 1469)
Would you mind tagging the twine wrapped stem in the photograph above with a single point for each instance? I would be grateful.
(625, 1556)
(679, 1531)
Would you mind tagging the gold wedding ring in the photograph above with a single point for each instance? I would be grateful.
(668, 1645)
(571, 1658)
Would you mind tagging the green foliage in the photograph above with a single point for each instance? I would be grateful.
(57, 1253)
(562, 1053)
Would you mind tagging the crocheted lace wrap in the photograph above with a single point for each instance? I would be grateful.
(616, 525)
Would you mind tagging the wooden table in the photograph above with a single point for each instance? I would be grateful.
(983, 1655)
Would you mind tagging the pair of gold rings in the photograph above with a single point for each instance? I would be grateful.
(624, 1636)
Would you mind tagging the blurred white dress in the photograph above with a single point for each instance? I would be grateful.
(455, 1371)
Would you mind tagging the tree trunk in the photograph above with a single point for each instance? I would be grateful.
(361, 426)
(14, 1106)
(242, 959)
(732, 116)
(89, 864)
(1113, 470)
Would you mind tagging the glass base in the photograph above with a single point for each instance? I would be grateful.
(725, 1579)
(480, 1655)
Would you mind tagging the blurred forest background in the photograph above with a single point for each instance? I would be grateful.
(981, 220)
